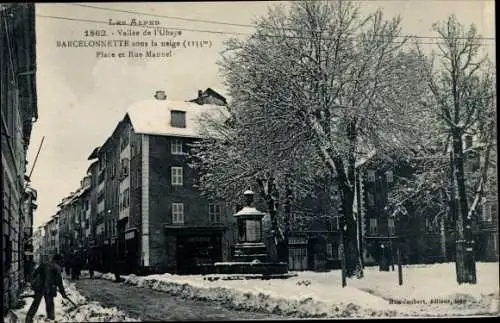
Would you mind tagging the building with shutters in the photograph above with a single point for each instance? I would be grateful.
(18, 102)
(145, 214)
(37, 245)
(423, 237)
(314, 232)
(73, 229)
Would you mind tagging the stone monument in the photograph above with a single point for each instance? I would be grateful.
(250, 258)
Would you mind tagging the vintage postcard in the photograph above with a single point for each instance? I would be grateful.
(249, 160)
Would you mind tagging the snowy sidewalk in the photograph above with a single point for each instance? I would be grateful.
(85, 312)
(428, 291)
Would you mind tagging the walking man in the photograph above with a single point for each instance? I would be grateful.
(90, 264)
(46, 280)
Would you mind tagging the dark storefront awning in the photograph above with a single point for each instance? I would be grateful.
(194, 229)
(130, 234)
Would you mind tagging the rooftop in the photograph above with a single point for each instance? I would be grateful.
(153, 117)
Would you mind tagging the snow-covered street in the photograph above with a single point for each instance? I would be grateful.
(87, 310)
(428, 291)
(256, 160)
(152, 305)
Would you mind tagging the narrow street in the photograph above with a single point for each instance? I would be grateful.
(151, 305)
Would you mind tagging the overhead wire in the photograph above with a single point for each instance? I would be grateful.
(236, 24)
(225, 32)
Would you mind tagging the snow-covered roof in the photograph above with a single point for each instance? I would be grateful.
(81, 191)
(153, 117)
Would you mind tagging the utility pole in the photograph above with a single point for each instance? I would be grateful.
(342, 255)
(397, 215)
(342, 227)
(400, 268)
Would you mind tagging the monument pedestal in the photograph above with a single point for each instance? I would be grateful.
(250, 258)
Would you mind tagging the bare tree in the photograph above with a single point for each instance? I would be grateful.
(463, 101)
(241, 149)
(344, 81)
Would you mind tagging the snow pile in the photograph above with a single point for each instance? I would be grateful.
(245, 297)
(427, 291)
(66, 312)
(436, 286)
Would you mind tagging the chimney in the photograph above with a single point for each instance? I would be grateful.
(160, 95)
(200, 97)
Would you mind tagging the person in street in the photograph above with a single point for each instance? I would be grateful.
(67, 266)
(47, 279)
(78, 265)
(75, 264)
(90, 264)
(117, 268)
(28, 269)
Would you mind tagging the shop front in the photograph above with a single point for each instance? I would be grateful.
(297, 253)
(309, 250)
(131, 251)
(196, 249)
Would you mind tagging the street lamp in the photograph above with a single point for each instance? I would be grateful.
(397, 215)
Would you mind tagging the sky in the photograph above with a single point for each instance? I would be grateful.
(82, 98)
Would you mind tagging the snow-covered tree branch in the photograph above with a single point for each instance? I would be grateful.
(311, 89)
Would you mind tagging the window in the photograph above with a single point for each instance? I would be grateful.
(138, 182)
(177, 213)
(126, 198)
(493, 210)
(124, 167)
(391, 227)
(125, 141)
(468, 141)
(370, 175)
(371, 199)
(329, 251)
(389, 176)
(178, 119)
(429, 225)
(177, 176)
(121, 200)
(214, 213)
(176, 147)
(135, 143)
(336, 223)
(489, 209)
(373, 227)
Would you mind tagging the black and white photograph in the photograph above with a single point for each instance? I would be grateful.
(248, 160)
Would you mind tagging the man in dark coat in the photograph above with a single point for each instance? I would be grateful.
(90, 264)
(46, 280)
(67, 265)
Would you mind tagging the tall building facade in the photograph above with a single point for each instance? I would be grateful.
(18, 103)
(143, 210)
(37, 245)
